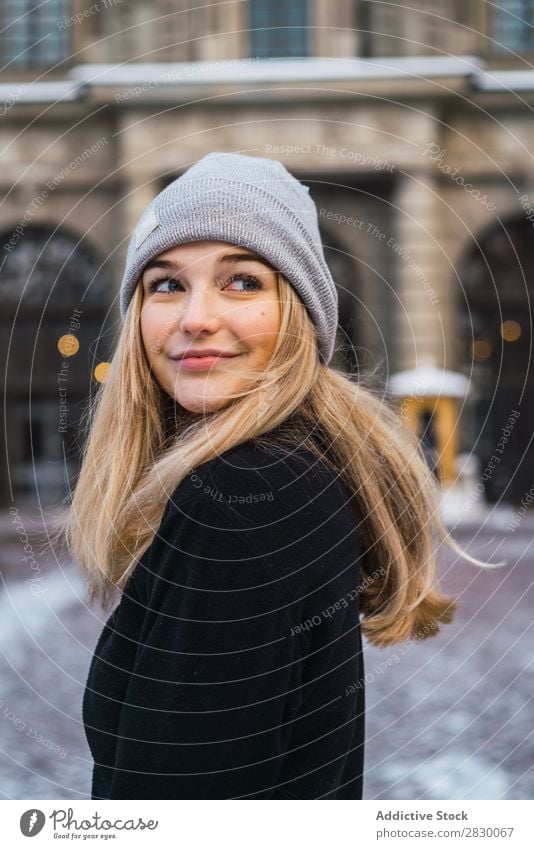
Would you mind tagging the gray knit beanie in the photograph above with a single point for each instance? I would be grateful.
(247, 201)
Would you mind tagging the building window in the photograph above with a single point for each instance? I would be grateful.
(278, 28)
(514, 26)
(32, 35)
(364, 24)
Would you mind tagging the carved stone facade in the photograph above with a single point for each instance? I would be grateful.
(413, 154)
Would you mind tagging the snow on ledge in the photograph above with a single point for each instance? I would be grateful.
(276, 70)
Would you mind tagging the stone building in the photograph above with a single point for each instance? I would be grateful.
(412, 126)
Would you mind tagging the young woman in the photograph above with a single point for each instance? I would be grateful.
(248, 503)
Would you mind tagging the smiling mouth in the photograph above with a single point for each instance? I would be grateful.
(197, 363)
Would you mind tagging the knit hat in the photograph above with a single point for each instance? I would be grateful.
(251, 202)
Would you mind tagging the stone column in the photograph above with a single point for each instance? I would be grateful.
(424, 322)
(139, 190)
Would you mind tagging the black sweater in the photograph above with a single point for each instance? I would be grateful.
(232, 667)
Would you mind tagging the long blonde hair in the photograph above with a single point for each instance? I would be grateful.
(138, 450)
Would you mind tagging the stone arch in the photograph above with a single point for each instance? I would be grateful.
(53, 284)
(496, 274)
(343, 271)
(44, 266)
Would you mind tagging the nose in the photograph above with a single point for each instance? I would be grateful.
(200, 312)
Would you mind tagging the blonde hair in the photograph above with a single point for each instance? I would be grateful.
(141, 444)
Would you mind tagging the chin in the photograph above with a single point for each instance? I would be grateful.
(203, 405)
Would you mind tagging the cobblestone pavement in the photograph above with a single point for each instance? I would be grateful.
(451, 717)
(448, 718)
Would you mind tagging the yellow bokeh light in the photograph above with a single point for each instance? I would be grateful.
(68, 345)
(101, 371)
(481, 349)
(510, 331)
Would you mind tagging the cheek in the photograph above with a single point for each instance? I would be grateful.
(260, 323)
(147, 333)
(152, 325)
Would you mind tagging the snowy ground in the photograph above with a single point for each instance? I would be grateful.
(452, 717)
(449, 718)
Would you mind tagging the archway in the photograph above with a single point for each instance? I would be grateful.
(497, 277)
(342, 268)
(55, 295)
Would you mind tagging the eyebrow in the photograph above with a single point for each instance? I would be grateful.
(168, 264)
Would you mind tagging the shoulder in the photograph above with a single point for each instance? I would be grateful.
(271, 477)
(264, 518)
(276, 502)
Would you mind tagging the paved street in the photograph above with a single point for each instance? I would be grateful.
(449, 718)
(452, 719)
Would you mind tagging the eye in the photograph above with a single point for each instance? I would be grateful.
(247, 279)
(251, 284)
(154, 285)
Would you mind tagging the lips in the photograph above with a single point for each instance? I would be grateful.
(201, 362)
(201, 354)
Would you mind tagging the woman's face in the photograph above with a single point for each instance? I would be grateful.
(209, 297)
